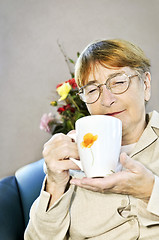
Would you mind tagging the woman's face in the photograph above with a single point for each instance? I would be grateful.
(129, 106)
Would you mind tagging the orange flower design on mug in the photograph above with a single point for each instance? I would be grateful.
(88, 141)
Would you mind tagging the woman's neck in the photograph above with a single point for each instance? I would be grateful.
(132, 135)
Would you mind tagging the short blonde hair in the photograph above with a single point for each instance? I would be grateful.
(110, 54)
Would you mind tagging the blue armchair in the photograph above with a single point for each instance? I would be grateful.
(17, 193)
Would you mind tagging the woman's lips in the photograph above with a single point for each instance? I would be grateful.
(114, 113)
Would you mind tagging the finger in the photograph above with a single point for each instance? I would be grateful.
(72, 135)
(93, 183)
(64, 151)
(61, 150)
(104, 184)
(97, 185)
(129, 164)
(80, 183)
(57, 138)
(61, 166)
(71, 132)
(66, 165)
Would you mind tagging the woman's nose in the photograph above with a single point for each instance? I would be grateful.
(107, 97)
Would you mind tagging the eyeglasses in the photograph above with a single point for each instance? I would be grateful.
(118, 83)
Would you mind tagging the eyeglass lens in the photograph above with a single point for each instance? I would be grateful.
(116, 85)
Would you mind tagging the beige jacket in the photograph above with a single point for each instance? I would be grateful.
(81, 214)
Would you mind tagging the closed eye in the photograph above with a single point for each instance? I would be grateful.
(118, 83)
(91, 91)
(121, 82)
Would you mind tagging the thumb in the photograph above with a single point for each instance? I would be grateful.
(128, 163)
(72, 134)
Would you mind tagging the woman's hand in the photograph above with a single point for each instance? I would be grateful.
(135, 180)
(56, 154)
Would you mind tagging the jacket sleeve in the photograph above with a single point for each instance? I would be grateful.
(52, 223)
(149, 213)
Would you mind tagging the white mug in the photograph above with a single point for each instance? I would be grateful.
(98, 139)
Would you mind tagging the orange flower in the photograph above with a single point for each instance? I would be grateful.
(88, 140)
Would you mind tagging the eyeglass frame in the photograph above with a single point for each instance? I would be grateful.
(102, 84)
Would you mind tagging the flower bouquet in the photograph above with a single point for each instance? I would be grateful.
(69, 108)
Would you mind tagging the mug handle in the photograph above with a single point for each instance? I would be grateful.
(77, 162)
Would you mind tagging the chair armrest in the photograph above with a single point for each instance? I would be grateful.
(29, 179)
(11, 214)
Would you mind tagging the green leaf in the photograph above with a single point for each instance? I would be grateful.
(70, 126)
(78, 115)
(71, 61)
(78, 54)
(72, 75)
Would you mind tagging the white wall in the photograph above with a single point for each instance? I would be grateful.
(31, 63)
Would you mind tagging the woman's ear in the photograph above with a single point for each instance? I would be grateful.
(147, 86)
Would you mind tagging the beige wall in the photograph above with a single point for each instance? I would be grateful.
(31, 63)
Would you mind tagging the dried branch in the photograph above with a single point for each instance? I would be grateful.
(67, 60)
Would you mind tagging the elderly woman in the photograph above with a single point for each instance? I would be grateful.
(114, 79)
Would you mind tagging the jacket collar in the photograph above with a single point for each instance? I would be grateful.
(150, 134)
